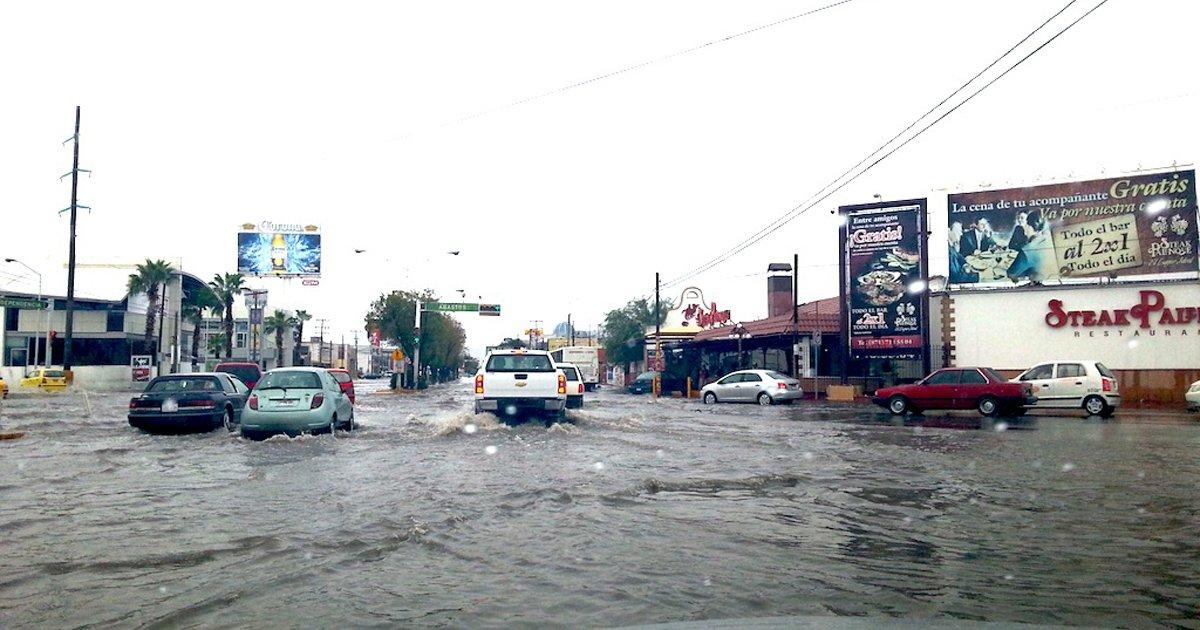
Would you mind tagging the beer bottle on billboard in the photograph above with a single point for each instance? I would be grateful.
(278, 254)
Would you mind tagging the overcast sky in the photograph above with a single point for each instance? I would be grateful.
(199, 117)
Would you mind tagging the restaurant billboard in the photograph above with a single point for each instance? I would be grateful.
(1117, 228)
(883, 280)
(278, 249)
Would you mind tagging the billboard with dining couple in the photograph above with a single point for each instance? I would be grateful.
(1122, 227)
(883, 279)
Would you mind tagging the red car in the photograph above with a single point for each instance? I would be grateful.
(247, 373)
(982, 389)
(345, 381)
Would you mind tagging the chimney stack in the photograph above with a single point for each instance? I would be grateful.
(779, 289)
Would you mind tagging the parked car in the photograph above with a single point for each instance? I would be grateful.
(586, 359)
(575, 384)
(296, 400)
(45, 379)
(765, 387)
(644, 384)
(982, 389)
(345, 381)
(518, 381)
(247, 373)
(1086, 385)
(189, 402)
(1193, 397)
(3, 388)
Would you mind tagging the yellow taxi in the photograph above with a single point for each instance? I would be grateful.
(3, 388)
(45, 379)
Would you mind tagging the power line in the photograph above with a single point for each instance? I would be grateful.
(640, 65)
(796, 211)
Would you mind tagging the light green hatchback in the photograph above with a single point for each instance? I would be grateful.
(294, 401)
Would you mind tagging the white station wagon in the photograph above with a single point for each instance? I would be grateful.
(1086, 385)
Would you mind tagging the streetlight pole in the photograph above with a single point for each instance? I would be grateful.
(70, 327)
(36, 354)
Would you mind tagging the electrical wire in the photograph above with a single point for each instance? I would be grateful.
(833, 187)
(640, 65)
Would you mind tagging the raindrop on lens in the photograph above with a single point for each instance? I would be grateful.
(1141, 475)
(1001, 427)
(907, 520)
(308, 555)
(659, 453)
(598, 466)
(708, 581)
(1133, 343)
(1068, 467)
(470, 428)
(490, 450)
(808, 455)
(162, 589)
(1008, 577)
(1141, 510)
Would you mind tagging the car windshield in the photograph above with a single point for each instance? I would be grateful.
(289, 379)
(173, 385)
(245, 374)
(55, 374)
(520, 363)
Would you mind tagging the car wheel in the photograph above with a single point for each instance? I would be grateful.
(988, 406)
(898, 405)
(1095, 406)
(710, 398)
(229, 426)
(764, 399)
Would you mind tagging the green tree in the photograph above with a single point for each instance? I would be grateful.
(278, 323)
(193, 311)
(150, 279)
(442, 338)
(301, 317)
(216, 343)
(512, 343)
(470, 364)
(626, 327)
(226, 287)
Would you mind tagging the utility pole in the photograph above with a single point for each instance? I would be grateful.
(417, 349)
(570, 329)
(70, 328)
(657, 338)
(321, 341)
(795, 315)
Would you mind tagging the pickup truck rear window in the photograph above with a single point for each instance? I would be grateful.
(572, 374)
(520, 363)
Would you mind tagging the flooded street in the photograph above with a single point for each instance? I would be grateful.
(635, 512)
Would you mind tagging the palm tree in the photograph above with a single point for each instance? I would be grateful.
(225, 287)
(301, 317)
(278, 322)
(216, 343)
(193, 312)
(150, 278)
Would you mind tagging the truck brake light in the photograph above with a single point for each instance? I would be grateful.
(478, 383)
(562, 383)
(581, 388)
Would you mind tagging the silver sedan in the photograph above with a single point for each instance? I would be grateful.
(765, 387)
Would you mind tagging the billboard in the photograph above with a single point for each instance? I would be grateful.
(1122, 227)
(883, 275)
(275, 249)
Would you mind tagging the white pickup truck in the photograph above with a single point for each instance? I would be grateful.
(515, 382)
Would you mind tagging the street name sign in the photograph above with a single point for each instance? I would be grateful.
(12, 302)
(451, 307)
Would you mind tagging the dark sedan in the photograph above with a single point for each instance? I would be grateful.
(182, 403)
(644, 384)
(982, 389)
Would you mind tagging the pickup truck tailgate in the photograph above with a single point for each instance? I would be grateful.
(520, 385)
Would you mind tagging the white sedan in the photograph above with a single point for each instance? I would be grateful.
(1193, 397)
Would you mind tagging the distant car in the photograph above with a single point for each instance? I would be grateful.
(296, 400)
(1193, 397)
(644, 384)
(3, 388)
(765, 387)
(575, 384)
(1086, 385)
(45, 379)
(982, 389)
(247, 373)
(189, 402)
(345, 381)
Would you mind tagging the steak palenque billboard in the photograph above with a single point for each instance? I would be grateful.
(1122, 227)
(883, 271)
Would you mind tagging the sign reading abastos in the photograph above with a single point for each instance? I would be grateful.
(16, 302)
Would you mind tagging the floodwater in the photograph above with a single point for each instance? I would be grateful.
(636, 512)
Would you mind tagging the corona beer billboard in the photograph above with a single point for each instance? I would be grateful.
(279, 249)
